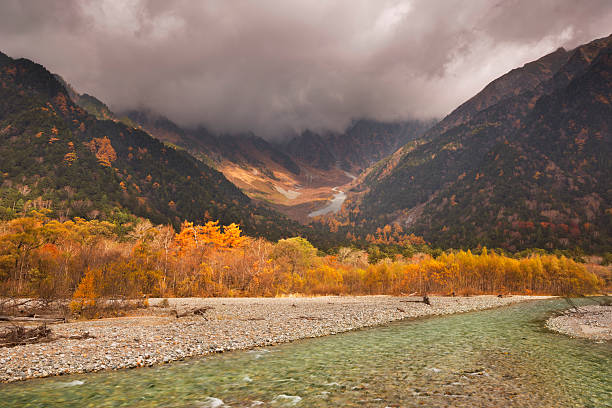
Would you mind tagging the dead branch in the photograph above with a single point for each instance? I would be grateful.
(309, 318)
(200, 311)
(424, 300)
(16, 335)
(82, 336)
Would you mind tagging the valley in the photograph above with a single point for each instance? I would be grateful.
(297, 196)
(489, 161)
(371, 204)
(294, 176)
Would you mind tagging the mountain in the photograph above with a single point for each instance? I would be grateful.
(296, 176)
(524, 163)
(313, 149)
(515, 82)
(91, 104)
(58, 156)
(245, 148)
(259, 168)
(362, 144)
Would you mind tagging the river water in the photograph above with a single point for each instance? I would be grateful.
(500, 357)
(334, 204)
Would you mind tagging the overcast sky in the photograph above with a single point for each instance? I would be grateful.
(276, 67)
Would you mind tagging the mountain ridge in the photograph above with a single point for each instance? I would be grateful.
(453, 185)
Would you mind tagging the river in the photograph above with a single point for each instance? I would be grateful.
(500, 357)
(334, 204)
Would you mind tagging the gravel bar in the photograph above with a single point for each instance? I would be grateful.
(227, 324)
(591, 322)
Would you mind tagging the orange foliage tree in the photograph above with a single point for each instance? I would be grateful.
(102, 148)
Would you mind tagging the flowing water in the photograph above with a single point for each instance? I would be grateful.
(334, 204)
(500, 357)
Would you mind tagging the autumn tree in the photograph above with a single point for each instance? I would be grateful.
(102, 148)
(295, 256)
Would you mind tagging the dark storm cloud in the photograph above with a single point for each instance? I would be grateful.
(276, 67)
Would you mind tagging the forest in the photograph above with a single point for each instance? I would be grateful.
(95, 261)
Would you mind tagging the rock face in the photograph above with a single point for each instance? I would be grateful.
(227, 324)
(591, 322)
(523, 164)
(362, 144)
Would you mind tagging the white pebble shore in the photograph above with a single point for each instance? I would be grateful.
(230, 324)
(590, 322)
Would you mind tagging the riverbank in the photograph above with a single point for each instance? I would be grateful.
(591, 322)
(226, 324)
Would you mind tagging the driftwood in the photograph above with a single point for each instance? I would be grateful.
(309, 318)
(200, 311)
(17, 335)
(572, 304)
(425, 300)
(82, 336)
(34, 318)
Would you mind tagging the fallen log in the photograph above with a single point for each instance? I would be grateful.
(424, 300)
(35, 318)
(17, 335)
(201, 311)
(309, 318)
(82, 336)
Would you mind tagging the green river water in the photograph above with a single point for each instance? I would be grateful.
(500, 358)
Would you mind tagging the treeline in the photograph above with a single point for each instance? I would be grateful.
(93, 260)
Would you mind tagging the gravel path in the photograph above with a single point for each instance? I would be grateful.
(229, 324)
(591, 322)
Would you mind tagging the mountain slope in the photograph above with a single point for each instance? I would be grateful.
(55, 155)
(522, 168)
(515, 82)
